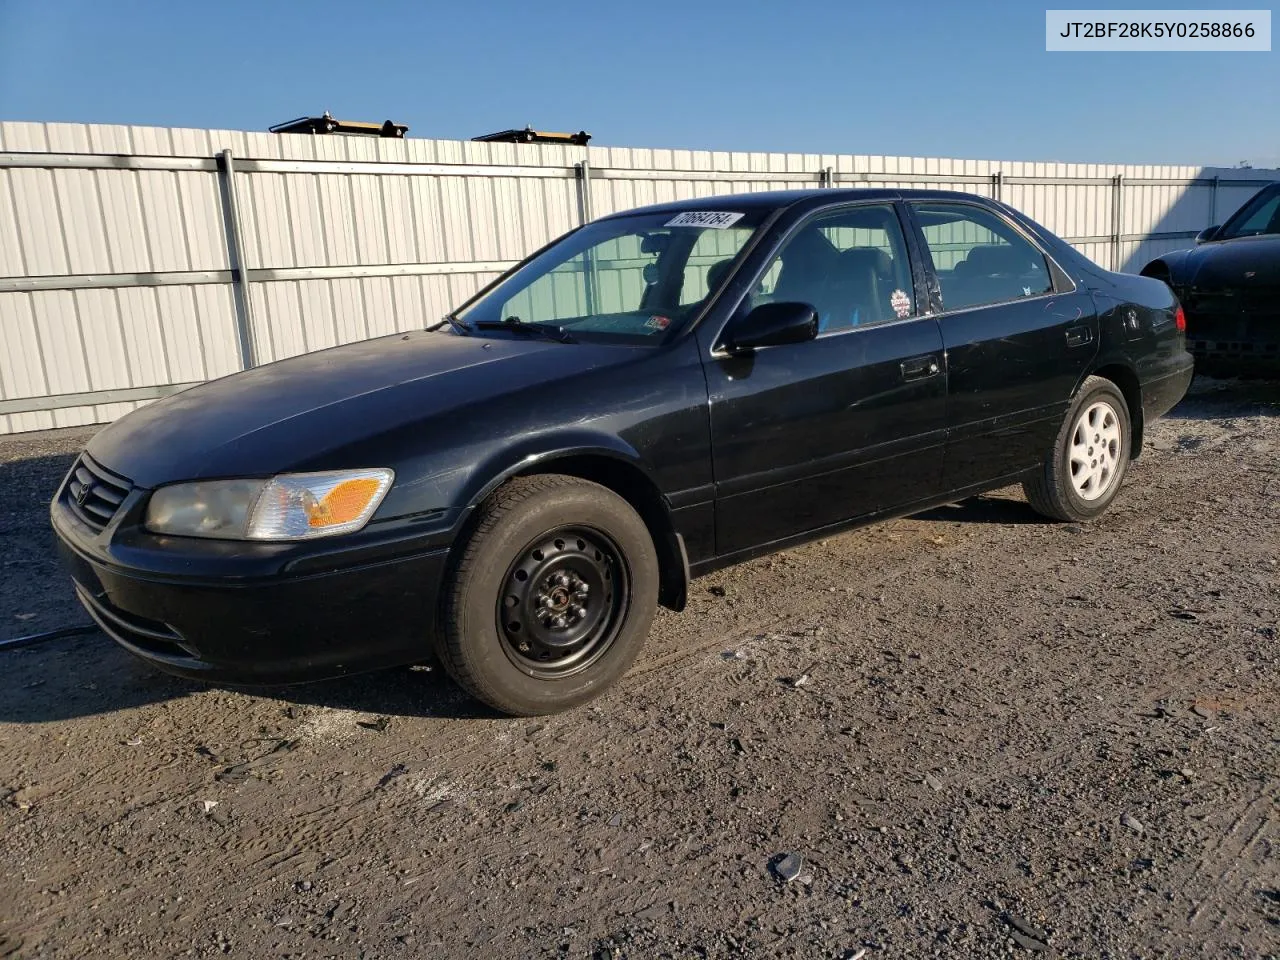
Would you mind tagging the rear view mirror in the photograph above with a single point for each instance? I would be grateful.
(1207, 234)
(773, 324)
(655, 243)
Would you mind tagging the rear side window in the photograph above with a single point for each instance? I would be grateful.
(979, 258)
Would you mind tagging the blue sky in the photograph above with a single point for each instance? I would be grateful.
(924, 79)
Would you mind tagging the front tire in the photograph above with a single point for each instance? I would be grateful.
(1084, 471)
(551, 597)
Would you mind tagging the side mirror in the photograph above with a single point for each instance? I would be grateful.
(773, 324)
(1207, 234)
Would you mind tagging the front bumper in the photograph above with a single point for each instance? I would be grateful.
(192, 608)
(1234, 330)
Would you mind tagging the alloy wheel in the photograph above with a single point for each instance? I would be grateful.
(1094, 450)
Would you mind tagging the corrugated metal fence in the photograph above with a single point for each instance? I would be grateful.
(136, 261)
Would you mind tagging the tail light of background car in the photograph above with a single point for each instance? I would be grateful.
(1180, 320)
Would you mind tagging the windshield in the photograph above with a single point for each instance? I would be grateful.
(627, 279)
(1260, 215)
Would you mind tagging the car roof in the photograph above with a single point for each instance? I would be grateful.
(780, 199)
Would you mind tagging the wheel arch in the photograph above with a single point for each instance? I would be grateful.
(631, 483)
(1171, 267)
(622, 472)
(1124, 376)
(1158, 269)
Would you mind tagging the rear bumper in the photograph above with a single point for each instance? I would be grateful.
(275, 629)
(1162, 394)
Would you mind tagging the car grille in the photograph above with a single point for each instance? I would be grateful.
(93, 493)
(134, 631)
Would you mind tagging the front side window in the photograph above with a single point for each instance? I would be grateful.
(626, 279)
(979, 258)
(1260, 215)
(851, 266)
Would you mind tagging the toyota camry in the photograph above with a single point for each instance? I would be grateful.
(657, 394)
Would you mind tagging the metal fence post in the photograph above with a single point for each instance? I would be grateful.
(239, 271)
(1117, 218)
(1213, 203)
(997, 185)
(583, 171)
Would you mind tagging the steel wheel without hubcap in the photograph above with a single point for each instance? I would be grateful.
(1094, 450)
(562, 602)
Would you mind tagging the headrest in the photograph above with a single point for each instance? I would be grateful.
(717, 272)
(867, 258)
(811, 245)
(999, 258)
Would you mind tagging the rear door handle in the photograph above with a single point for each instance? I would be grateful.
(1078, 336)
(918, 368)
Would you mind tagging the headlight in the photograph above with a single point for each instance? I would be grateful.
(292, 506)
(214, 508)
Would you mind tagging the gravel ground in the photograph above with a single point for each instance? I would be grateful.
(965, 734)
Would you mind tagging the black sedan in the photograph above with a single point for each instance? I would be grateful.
(1229, 285)
(655, 395)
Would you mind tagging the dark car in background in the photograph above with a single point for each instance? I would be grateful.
(1229, 286)
(655, 395)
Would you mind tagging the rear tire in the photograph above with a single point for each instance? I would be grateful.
(1086, 467)
(551, 598)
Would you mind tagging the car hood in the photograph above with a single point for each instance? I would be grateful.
(1239, 263)
(290, 414)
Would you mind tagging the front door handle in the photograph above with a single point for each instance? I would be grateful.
(1078, 336)
(918, 368)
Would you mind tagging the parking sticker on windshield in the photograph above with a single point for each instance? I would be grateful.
(900, 302)
(715, 219)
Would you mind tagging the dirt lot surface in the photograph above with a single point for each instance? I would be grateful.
(979, 735)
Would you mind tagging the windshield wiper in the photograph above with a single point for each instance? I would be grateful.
(523, 326)
(458, 326)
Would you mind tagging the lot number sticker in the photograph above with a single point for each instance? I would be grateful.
(715, 219)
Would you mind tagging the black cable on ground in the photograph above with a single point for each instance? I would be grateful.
(35, 638)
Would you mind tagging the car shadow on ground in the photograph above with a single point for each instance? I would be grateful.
(1210, 397)
(424, 690)
(984, 509)
(91, 675)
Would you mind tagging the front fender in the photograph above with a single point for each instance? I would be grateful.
(606, 459)
(1174, 262)
(529, 453)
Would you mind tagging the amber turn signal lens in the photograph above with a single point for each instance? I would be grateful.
(344, 503)
(299, 506)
